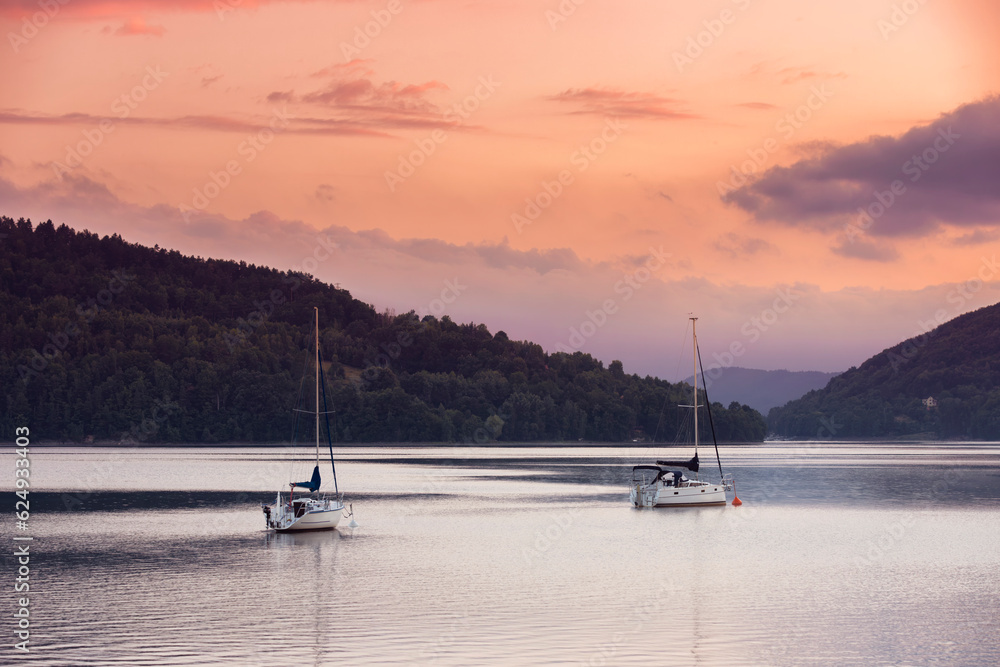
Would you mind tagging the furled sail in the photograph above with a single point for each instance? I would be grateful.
(691, 465)
(313, 484)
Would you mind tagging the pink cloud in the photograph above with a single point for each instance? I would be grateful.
(613, 102)
(103, 9)
(738, 246)
(757, 106)
(298, 125)
(531, 294)
(942, 174)
(365, 94)
(352, 93)
(358, 67)
(138, 26)
(790, 75)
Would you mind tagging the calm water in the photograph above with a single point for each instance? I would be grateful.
(841, 555)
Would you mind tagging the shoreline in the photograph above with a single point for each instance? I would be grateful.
(507, 445)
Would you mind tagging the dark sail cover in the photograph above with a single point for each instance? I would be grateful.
(313, 484)
(691, 465)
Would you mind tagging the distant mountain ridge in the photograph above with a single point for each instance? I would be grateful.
(761, 390)
(942, 384)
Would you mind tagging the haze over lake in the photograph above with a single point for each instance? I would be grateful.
(846, 554)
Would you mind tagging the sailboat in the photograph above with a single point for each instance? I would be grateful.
(313, 510)
(663, 485)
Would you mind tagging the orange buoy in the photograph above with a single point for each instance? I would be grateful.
(736, 499)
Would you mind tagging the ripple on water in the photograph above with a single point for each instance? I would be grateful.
(844, 564)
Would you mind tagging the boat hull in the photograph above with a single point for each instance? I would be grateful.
(303, 513)
(660, 495)
(315, 520)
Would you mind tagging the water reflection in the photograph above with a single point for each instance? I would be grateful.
(840, 556)
(315, 540)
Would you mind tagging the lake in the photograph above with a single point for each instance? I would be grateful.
(842, 554)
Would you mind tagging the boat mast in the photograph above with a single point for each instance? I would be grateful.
(694, 320)
(317, 387)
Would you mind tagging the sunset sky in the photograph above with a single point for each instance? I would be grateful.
(539, 165)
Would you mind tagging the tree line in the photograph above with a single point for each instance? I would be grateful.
(105, 340)
(943, 383)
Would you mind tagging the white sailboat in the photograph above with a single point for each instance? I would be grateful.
(311, 511)
(664, 485)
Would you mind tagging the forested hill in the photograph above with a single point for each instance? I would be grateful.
(104, 340)
(956, 364)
